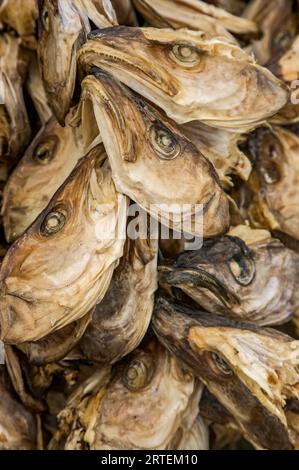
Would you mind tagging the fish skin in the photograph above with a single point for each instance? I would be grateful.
(128, 125)
(191, 90)
(255, 397)
(76, 263)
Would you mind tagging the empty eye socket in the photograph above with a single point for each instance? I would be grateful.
(242, 268)
(54, 222)
(138, 374)
(45, 151)
(185, 55)
(164, 142)
(221, 364)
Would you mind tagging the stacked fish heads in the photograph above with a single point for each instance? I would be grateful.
(148, 153)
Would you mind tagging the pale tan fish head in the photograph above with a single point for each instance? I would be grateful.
(189, 74)
(136, 410)
(149, 154)
(62, 265)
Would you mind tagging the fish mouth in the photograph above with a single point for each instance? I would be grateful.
(196, 277)
(105, 49)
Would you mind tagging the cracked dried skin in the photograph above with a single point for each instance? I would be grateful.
(136, 411)
(24, 24)
(121, 320)
(221, 148)
(62, 265)
(251, 371)
(148, 154)
(195, 15)
(189, 75)
(47, 163)
(245, 275)
(274, 181)
(13, 66)
(17, 424)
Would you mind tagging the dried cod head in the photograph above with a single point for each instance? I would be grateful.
(125, 12)
(62, 265)
(246, 275)
(121, 319)
(274, 181)
(23, 23)
(148, 155)
(57, 345)
(17, 424)
(13, 69)
(63, 25)
(189, 75)
(135, 410)
(277, 24)
(193, 14)
(253, 372)
(47, 163)
(221, 148)
(36, 90)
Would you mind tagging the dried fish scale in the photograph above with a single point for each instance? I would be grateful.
(187, 101)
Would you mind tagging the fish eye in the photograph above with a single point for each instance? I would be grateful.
(45, 19)
(44, 152)
(221, 364)
(164, 142)
(138, 374)
(185, 55)
(242, 268)
(53, 222)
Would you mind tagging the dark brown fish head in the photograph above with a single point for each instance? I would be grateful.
(246, 275)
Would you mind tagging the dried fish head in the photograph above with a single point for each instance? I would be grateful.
(130, 413)
(56, 346)
(246, 275)
(23, 23)
(62, 265)
(47, 163)
(60, 33)
(148, 155)
(250, 370)
(189, 75)
(194, 14)
(274, 181)
(13, 68)
(18, 426)
(121, 319)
